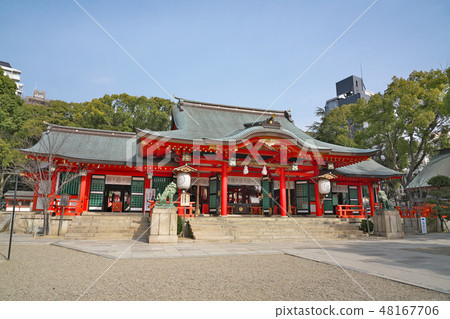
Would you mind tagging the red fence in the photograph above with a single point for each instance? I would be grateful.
(190, 210)
(416, 211)
(350, 211)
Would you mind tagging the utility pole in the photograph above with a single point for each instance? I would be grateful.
(13, 215)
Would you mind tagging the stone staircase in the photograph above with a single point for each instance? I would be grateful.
(5, 220)
(108, 226)
(271, 229)
(410, 228)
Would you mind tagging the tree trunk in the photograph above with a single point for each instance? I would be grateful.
(3, 179)
(46, 230)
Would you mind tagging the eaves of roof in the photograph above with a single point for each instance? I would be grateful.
(367, 169)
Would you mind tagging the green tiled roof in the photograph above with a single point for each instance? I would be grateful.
(439, 165)
(207, 121)
(368, 169)
(194, 120)
(80, 144)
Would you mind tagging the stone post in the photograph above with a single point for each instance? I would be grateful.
(388, 224)
(163, 225)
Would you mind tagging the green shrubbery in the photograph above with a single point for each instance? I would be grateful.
(363, 225)
(179, 224)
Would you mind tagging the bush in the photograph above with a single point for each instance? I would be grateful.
(179, 224)
(363, 225)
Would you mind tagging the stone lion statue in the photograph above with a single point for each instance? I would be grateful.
(384, 200)
(161, 199)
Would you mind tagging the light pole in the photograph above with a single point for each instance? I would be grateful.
(13, 215)
(184, 183)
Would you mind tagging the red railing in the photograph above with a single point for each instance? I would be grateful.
(276, 212)
(350, 211)
(70, 210)
(190, 210)
(416, 211)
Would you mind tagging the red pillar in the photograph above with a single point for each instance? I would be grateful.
(360, 194)
(81, 196)
(371, 200)
(283, 192)
(224, 190)
(319, 211)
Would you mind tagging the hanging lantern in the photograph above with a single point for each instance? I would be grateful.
(184, 181)
(264, 170)
(245, 170)
(184, 176)
(324, 186)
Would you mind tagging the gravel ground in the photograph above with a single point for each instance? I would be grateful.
(44, 272)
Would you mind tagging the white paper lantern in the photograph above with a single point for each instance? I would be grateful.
(264, 170)
(184, 181)
(324, 186)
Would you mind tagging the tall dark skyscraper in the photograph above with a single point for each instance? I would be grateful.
(348, 91)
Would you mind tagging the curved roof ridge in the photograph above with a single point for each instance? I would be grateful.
(74, 129)
(232, 107)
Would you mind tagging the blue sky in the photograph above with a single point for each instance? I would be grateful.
(242, 53)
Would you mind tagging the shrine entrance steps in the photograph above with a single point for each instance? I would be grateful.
(272, 229)
(94, 226)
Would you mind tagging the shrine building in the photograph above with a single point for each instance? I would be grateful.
(249, 161)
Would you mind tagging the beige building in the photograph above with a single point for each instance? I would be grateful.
(38, 98)
(13, 74)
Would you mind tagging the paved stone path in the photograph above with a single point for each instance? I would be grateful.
(420, 260)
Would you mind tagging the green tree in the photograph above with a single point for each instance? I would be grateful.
(336, 126)
(407, 123)
(7, 85)
(124, 113)
(440, 196)
(12, 117)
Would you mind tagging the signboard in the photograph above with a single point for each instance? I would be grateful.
(423, 224)
(64, 200)
(340, 189)
(118, 180)
(149, 195)
(185, 199)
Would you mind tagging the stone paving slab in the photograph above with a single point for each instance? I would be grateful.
(26, 239)
(418, 260)
(421, 260)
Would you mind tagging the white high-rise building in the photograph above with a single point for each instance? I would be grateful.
(13, 74)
